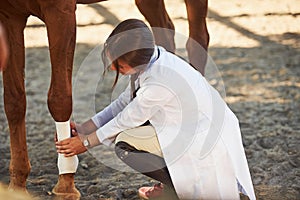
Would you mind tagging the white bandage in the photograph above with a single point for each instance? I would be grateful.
(65, 165)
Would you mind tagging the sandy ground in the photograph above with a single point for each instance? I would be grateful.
(255, 46)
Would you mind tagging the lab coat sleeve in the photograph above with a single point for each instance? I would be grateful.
(150, 99)
(113, 109)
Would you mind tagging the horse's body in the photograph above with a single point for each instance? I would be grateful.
(59, 17)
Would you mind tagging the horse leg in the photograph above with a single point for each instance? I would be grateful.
(59, 17)
(162, 26)
(198, 33)
(3, 48)
(14, 95)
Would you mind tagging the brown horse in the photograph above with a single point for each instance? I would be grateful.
(59, 17)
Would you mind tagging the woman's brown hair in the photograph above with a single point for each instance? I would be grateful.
(131, 41)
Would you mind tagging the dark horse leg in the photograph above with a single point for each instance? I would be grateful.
(197, 43)
(14, 94)
(155, 13)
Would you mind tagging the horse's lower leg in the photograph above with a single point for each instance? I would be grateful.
(19, 164)
(61, 27)
(197, 43)
(14, 98)
(163, 29)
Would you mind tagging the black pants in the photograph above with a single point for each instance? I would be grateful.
(146, 163)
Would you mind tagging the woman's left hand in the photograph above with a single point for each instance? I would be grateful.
(71, 146)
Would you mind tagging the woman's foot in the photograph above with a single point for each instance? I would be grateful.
(155, 191)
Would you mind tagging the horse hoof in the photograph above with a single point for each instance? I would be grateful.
(66, 196)
(65, 188)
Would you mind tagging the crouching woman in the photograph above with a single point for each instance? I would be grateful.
(168, 124)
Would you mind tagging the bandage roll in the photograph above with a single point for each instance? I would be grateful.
(65, 165)
(63, 130)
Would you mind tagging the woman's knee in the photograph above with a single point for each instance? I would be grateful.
(123, 149)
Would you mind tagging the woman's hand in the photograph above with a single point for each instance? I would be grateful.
(71, 146)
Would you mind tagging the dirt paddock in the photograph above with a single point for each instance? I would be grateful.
(256, 47)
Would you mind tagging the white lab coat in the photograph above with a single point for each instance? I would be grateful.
(199, 135)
